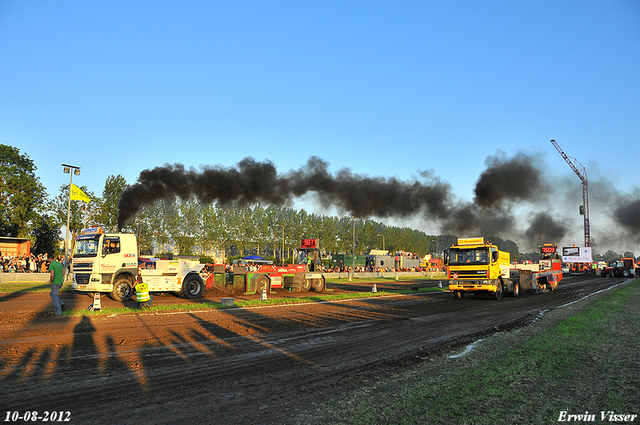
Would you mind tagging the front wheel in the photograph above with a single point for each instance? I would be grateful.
(626, 272)
(192, 286)
(458, 295)
(122, 289)
(498, 294)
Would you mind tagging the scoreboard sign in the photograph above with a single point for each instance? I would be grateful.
(308, 243)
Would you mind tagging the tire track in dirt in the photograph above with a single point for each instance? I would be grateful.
(244, 365)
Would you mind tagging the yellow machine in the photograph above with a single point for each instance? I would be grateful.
(476, 266)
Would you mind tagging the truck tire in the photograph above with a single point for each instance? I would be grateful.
(192, 286)
(305, 284)
(122, 289)
(603, 273)
(317, 284)
(625, 272)
(458, 295)
(498, 294)
(516, 289)
(262, 282)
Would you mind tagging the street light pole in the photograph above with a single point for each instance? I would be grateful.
(67, 170)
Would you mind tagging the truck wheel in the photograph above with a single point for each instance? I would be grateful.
(516, 290)
(317, 284)
(603, 273)
(625, 272)
(305, 284)
(192, 286)
(122, 289)
(498, 294)
(262, 282)
(458, 295)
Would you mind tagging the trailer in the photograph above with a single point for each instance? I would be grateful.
(301, 277)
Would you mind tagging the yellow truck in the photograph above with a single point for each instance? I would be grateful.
(476, 266)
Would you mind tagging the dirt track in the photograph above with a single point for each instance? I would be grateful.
(244, 366)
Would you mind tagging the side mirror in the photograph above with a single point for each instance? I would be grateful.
(445, 254)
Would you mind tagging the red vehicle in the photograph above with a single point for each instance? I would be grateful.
(626, 267)
(610, 269)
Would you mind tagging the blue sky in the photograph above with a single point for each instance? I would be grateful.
(383, 88)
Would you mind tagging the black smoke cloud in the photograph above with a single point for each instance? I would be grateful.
(628, 216)
(509, 180)
(259, 182)
(505, 184)
(544, 227)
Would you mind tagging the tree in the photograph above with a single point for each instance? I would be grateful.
(21, 193)
(45, 235)
(113, 188)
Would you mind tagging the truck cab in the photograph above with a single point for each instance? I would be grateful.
(476, 266)
(103, 262)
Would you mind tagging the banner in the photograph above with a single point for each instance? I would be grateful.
(576, 254)
(78, 195)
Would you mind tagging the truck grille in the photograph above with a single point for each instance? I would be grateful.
(82, 279)
(82, 267)
(469, 274)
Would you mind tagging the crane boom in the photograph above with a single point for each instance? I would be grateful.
(581, 172)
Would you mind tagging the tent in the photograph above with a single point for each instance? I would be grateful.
(256, 259)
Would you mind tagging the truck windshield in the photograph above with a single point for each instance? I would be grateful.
(469, 256)
(86, 247)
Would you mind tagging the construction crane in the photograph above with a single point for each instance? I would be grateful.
(581, 171)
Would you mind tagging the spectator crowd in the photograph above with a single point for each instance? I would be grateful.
(23, 263)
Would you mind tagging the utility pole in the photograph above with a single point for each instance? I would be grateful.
(581, 172)
(71, 170)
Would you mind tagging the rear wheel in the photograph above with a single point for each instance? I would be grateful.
(262, 282)
(458, 295)
(192, 286)
(516, 289)
(122, 289)
(305, 284)
(317, 284)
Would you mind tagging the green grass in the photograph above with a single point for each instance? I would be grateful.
(204, 304)
(575, 362)
(388, 277)
(31, 287)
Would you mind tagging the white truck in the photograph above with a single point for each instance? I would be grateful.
(110, 263)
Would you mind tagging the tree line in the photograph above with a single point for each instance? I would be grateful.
(187, 227)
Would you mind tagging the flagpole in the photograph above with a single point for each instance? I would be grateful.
(67, 170)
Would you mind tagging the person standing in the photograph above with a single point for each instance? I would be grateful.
(56, 279)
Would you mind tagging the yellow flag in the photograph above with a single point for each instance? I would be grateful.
(78, 194)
